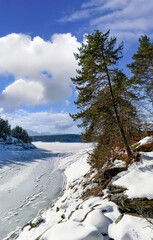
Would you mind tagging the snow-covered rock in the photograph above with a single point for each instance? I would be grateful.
(12, 142)
(131, 228)
(146, 140)
(97, 219)
(138, 178)
(72, 230)
(145, 144)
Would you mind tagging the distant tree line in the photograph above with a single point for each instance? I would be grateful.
(17, 132)
(67, 138)
(108, 101)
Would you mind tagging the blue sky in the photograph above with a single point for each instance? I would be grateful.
(37, 41)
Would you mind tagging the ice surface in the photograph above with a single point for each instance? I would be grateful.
(30, 180)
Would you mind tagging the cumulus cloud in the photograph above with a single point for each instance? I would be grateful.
(42, 69)
(30, 93)
(127, 19)
(49, 122)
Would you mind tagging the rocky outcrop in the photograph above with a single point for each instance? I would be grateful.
(140, 206)
(101, 180)
(111, 172)
(36, 222)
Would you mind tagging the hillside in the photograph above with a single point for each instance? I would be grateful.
(115, 204)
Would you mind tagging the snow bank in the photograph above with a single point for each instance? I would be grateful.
(77, 169)
(96, 218)
(139, 178)
(14, 144)
(146, 140)
(131, 228)
(73, 230)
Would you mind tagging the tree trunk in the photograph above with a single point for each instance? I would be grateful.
(129, 152)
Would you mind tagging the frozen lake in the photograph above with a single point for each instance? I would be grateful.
(30, 180)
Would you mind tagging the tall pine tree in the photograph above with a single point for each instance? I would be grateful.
(142, 67)
(97, 101)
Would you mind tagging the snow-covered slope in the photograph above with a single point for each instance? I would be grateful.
(73, 218)
(14, 143)
(138, 179)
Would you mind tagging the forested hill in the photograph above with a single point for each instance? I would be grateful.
(58, 138)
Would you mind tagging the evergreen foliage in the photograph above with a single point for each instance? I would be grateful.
(104, 97)
(142, 67)
(67, 138)
(17, 132)
(20, 133)
(5, 129)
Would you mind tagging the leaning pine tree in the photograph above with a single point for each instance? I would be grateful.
(98, 59)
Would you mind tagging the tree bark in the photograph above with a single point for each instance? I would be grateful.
(129, 152)
(151, 66)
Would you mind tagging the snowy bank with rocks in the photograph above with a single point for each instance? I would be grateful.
(94, 218)
(14, 143)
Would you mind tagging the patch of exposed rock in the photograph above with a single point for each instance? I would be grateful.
(111, 172)
(140, 206)
(101, 180)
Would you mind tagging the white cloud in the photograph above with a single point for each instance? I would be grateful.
(83, 14)
(92, 3)
(42, 69)
(132, 17)
(49, 122)
(125, 18)
(30, 93)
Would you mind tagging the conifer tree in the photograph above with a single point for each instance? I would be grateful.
(96, 101)
(142, 67)
(20, 133)
(5, 129)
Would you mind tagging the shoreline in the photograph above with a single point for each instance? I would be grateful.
(53, 210)
(93, 218)
(60, 164)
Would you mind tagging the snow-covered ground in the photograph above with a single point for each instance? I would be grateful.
(96, 218)
(138, 179)
(31, 179)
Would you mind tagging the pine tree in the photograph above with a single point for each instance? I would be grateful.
(20, 133)
(96, 101)
(142, 67)
(125, 102)
(5, 129)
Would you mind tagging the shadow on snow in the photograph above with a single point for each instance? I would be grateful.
(21, 157)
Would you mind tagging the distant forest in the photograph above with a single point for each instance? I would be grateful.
(58, 138)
